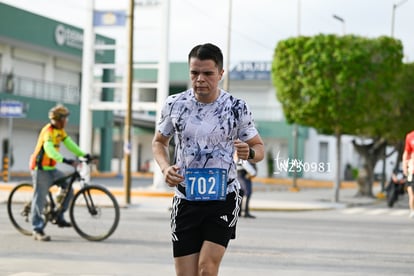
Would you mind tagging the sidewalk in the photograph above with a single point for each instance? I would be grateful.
(274, 198)
(310, 198)
(267, 196)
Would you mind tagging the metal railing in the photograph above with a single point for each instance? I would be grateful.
(38, 89)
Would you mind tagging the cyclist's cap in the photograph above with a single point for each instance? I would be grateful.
(58, 112)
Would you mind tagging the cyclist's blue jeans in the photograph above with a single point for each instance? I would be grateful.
(42, 180)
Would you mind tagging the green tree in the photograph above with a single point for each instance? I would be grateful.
(337, 85)
(396, 122)
(402, 110)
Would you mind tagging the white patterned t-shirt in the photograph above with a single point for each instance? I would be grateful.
(204, 134)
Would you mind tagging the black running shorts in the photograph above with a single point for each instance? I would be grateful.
(192, 223)
(410, 183)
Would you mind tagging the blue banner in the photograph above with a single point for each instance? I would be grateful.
(251, 70)
(109, 18)
(11, 109)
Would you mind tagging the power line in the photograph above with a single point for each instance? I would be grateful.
(234, 30)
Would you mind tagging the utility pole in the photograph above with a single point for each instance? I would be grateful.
(128, 113)
(394, 7)
(295, 132)
(340, 19)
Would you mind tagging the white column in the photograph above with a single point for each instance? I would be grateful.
(226, 83)
(88, 60)
(163, 82)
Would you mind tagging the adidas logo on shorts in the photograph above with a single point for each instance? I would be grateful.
(224, 218)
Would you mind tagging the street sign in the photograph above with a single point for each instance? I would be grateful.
(109, 18)
(11, 109)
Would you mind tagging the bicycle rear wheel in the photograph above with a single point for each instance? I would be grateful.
(19, 206)
(94, 213)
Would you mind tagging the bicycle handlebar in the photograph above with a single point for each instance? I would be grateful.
(88, 158)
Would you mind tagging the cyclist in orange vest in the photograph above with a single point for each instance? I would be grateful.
(43, 166)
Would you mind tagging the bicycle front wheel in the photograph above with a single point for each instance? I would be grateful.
(19, 206)
(94, 213)
(392, 195)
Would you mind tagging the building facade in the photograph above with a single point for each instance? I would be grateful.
(41, 64)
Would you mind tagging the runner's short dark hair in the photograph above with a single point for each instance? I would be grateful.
(207, 51)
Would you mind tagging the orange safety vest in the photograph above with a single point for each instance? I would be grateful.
(39, 158)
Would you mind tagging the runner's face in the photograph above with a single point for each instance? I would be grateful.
(205, 77)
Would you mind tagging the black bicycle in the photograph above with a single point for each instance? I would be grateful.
(94, 211)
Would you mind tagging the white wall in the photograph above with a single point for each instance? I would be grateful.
(312, 153)
(348, 152)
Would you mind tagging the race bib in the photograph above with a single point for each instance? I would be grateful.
(204, 184)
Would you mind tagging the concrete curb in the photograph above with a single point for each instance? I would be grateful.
(294, 206)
